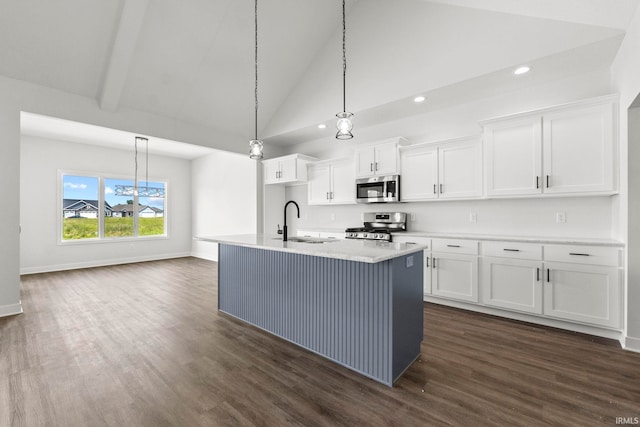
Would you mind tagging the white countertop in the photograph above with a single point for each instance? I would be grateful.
(350, 250)
(523, 239)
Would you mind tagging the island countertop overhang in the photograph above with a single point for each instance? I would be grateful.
(351, 250)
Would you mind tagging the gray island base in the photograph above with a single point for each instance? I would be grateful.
(366, 316)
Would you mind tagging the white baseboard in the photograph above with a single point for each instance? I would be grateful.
(204, 255)
(11, 309)
(575, 327)
(631, 344)
(100, 263)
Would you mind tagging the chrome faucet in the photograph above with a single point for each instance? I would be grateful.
(284, 227)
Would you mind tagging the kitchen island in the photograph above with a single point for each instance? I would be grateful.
(356, 302)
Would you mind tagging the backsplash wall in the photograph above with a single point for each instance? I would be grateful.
(586, 217)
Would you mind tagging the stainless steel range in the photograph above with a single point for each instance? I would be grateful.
(378, 226)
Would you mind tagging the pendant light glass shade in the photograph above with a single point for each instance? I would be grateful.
(255, 149)
(255, 145)
(344, 125)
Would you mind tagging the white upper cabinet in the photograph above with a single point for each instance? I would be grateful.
(514, 156)
(343, 182)
(378, 159)
(319, 184)
(286, 169)
(578, 147)
(418, 172)
(561, 150)
(460, 169)
(444, 170)
(331, 182)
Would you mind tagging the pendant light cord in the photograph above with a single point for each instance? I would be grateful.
(344, 59)
(146, 169)
(135, 183)
(256, 67)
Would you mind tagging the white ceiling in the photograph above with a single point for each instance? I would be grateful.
(193, 60)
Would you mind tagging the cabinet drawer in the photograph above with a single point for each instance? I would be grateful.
(595, 255)
(455, 246)
(512, 250)
(413, 239)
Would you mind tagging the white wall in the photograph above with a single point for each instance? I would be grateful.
(40, 161)
(625, 72)
(224, 199)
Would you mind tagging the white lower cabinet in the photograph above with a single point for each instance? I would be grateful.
(454, 269)
(455, 276)
(576, 284)
(514, 284)
(579, 284)
(583, 293)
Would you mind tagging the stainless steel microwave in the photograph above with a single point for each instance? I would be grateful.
(378, 189)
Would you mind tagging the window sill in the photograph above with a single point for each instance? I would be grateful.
(111, 240)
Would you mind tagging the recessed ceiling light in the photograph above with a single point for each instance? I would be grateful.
(419, 99)
(521, 70)
(322, 126)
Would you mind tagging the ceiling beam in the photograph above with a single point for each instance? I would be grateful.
(126, 39)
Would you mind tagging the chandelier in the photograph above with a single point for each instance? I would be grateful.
(135, 189)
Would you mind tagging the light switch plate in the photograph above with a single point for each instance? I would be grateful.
(473, 217)
(561, 217)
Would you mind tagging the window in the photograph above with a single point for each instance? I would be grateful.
(80, 207)
(125, 214)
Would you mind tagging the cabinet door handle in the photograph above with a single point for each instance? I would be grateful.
(434, 262)
(578, 254)
(453, 246)
(537, 274)
(427, 262)
(547, 181)
(331, 195)
(548, 275)
(537, 182)
(434, 189)
(440, 188)
(376, 168)
(371, 167)
(511, 250)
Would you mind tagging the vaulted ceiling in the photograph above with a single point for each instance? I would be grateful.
(192, 60)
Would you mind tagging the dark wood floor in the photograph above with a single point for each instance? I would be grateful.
(143, 344)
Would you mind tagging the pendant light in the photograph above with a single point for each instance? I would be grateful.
(135, 190)
(255, 145)
(344, 124)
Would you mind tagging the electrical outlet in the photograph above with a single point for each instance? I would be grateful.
(561, 217)
(413, 217)
(473, 217)
(361, 217)
(333, 217)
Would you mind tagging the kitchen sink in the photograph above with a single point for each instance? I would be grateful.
(313, 240)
